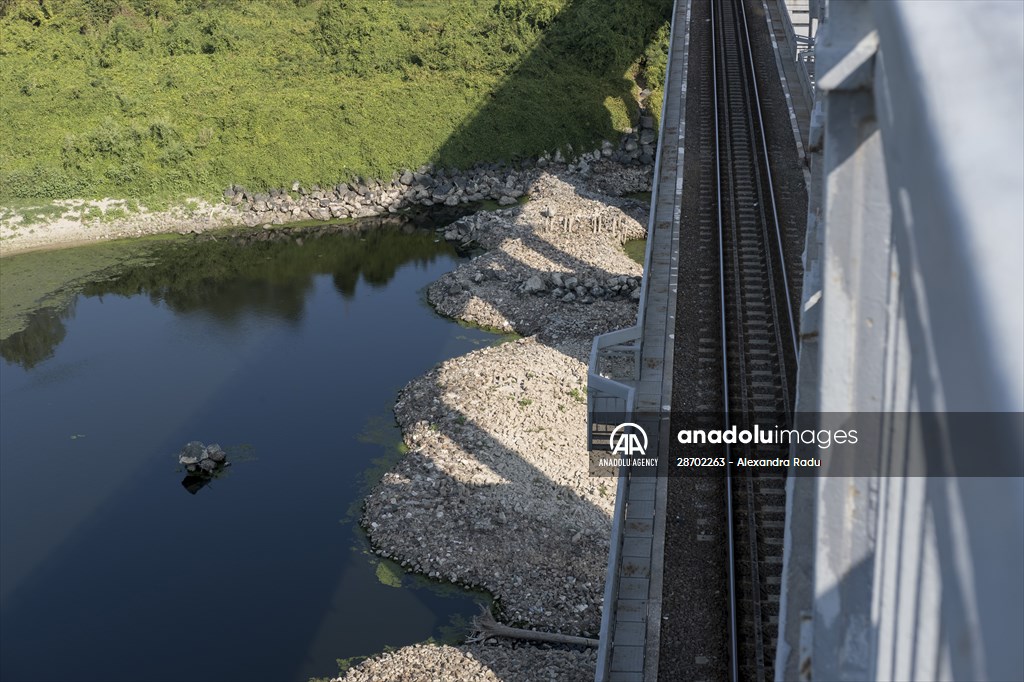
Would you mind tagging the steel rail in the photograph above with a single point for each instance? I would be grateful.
(745, 192)
(765, 193)
(756, 101)
(734, 658)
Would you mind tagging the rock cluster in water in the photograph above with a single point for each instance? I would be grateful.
(199, 459)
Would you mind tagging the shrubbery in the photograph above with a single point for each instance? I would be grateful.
(179, 97)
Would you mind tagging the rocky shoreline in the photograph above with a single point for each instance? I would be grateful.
(495, 491)
(78, 221)
(428, 186)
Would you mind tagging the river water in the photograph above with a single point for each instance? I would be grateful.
(287, 353)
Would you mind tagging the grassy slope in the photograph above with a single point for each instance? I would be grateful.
(171, 98)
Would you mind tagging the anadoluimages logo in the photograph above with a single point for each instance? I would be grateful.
(625, 440)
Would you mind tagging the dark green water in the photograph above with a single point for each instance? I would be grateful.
(289, 355)
(636, 249)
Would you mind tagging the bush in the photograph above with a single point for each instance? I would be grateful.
(536, 14)
(40, 182)
(124, 34)
(362, 37)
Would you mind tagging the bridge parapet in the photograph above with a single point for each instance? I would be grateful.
(913, 304)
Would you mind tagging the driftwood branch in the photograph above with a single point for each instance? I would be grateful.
(485, 627)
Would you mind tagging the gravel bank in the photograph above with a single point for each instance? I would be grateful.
(546, 261)
(476, 663)
(83, 221)
(495, 490)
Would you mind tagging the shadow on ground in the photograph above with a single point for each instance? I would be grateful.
(595, 37)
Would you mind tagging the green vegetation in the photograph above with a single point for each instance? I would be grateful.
(500, 336)
(642, 197)
(389, 573)
(165, 99)
(31, 211)
(384, 432)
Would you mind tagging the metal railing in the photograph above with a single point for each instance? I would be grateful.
(803, 53)
(611, 584)
(805, 67)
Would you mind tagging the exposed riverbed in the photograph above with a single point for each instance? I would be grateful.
(496, 489)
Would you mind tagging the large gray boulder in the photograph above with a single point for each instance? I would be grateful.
(191, 453)
(215, 453)
(534, 285)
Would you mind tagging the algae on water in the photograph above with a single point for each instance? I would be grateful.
(389, 573)
(30, 282)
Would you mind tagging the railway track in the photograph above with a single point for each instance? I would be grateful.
(734, 356)
(757, 342)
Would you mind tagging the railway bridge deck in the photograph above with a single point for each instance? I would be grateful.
(848, 200)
